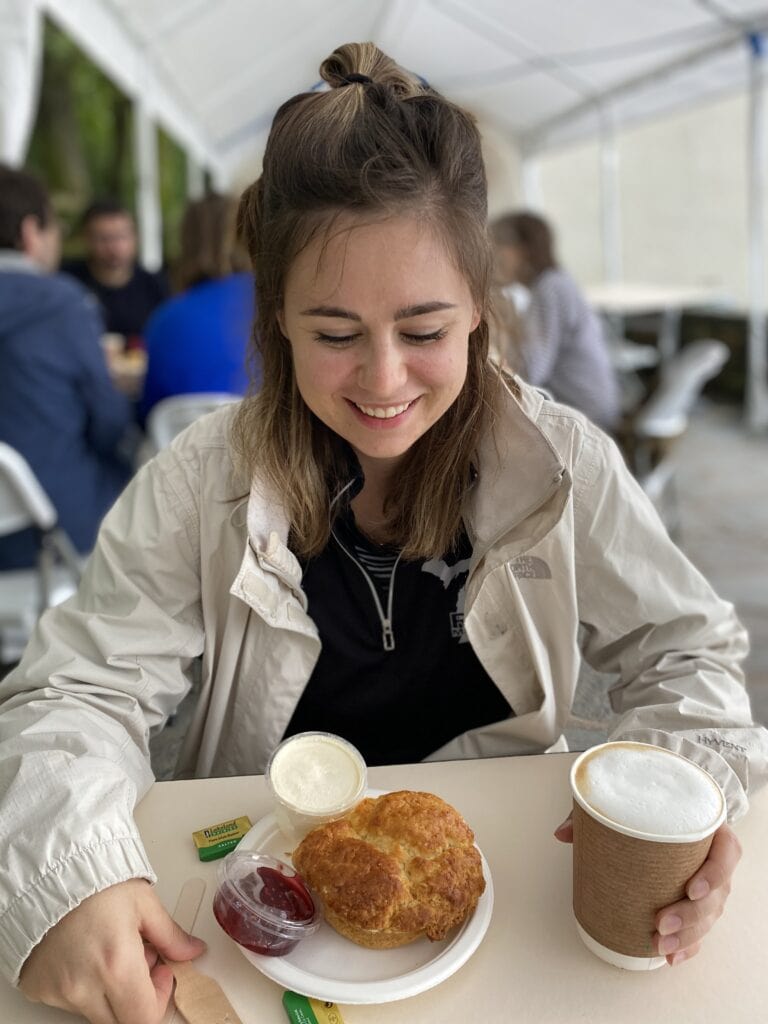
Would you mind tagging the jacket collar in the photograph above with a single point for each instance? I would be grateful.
(519, 471)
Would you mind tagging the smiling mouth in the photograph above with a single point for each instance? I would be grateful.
(383, 412)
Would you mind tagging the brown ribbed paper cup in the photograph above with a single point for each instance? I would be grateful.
(623, 876)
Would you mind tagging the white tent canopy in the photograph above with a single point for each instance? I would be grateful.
(213, 73)
(541, 72)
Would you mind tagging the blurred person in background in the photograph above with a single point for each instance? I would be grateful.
(197, 341)
(58, 407)
(126, 292)
(562, 347)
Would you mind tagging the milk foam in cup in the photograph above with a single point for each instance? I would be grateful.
(643, 821)
(314, 777)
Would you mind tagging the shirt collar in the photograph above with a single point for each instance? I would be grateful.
(14, 260)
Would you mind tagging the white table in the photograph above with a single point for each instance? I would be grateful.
(531, 966)
(616, 300)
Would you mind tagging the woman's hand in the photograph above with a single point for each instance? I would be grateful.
(102, 960)
(682, 926)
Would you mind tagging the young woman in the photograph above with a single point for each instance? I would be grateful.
(562, 344)
(391, 541)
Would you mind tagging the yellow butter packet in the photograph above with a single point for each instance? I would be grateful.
(217, 840)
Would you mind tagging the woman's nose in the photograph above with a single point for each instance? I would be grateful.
(383, 370)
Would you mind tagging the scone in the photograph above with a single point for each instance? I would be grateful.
(395, 868)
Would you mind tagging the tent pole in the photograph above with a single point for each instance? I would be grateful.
(610, 197)
(195, 178)
(757, 340)
(531, 182)
(610, 211)
(148, 209)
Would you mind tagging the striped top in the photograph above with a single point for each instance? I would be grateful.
(564, 349)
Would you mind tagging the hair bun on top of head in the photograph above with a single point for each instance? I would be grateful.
(364, 63)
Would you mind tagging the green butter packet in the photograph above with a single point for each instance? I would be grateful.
(303, 1010)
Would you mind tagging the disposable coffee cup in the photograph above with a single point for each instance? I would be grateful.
(643, 821)
(314, 778)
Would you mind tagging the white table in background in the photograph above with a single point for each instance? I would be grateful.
(616, 300)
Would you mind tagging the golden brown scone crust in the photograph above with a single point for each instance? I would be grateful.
(395, 868)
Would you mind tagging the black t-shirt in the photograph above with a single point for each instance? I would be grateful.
(396, 705)
(125, 309)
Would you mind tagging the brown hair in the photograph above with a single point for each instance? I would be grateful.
(389, 146)
(21, 195)
(532, 234)
(210, 248)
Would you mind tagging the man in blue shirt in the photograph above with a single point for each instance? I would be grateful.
(58, 406)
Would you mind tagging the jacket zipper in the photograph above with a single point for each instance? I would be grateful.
(387, 634)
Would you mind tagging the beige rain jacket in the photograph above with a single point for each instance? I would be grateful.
(189, 565)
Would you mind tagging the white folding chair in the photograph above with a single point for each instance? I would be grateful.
(172, 415)
(25, 593)
(664, 418)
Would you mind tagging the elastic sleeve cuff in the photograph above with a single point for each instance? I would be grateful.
(31, 914)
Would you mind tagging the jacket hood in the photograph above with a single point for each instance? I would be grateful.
(29, 295)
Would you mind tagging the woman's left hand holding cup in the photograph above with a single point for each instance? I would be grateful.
(682, 926)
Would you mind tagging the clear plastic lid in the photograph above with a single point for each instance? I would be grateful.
(261, 886)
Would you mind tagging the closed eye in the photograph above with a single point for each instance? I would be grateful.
(347, 339)
(335, 339)
(418, 338)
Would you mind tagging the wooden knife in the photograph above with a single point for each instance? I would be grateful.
(199, 998)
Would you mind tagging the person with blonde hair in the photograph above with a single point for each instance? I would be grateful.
(197, 340)
(393, 540)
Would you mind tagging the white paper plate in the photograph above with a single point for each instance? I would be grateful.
(329, 967)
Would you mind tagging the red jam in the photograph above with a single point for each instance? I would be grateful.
(287, 899)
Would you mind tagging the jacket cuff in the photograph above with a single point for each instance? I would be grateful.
(28, 916)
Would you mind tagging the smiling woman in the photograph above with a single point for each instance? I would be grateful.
(392, 541)
(379, 331)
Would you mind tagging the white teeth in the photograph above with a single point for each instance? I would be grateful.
(383, 414)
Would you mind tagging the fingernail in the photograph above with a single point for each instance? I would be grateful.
(669, 924)
(699, 889)
(669, 944)
(679, 957)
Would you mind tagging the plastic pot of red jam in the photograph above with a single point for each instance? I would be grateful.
(263, 904)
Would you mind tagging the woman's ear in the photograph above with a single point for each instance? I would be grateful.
(475, 321)
(281, 321)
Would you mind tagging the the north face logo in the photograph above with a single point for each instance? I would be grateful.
(527, 567)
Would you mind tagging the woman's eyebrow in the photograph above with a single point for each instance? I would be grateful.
(334, 311)
(420, 309)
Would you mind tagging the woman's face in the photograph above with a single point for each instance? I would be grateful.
(379, 322)
(511, 264)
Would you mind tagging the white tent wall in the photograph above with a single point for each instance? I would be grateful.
(683, 200)
(503, 165)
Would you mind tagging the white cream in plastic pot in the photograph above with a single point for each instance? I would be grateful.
(314, 777)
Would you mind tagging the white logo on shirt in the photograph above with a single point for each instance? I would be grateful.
(447, 574)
